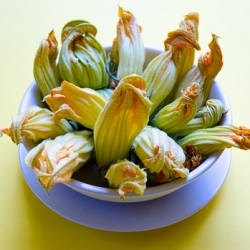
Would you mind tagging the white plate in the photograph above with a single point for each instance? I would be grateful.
(131, 217)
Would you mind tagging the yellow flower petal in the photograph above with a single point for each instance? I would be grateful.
(128, 52)
(160, 75)
(36, 124)
(127, 177)
(208, 66)
(82, 105)
(82, 58)
(150, 146)
(122, 119)
(54, 161)
(177, 114)
(45, 68)
(131, 187)
(162, 157)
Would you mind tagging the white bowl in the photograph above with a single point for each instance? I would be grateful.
(88, 181)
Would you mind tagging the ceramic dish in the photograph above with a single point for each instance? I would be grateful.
(87, 180)
(131, 217)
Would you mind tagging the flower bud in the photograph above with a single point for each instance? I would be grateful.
(36, 124)
(54, 161)
(82, 105)
(160, 75)
(162, 157)
(82, 59)
(211, 140)
(206, 117)
(44, 68)
(150, 146)
(177, 114)
(209, 65)
(128, 52)
(123, 117)
(127, 177)
(184, 42)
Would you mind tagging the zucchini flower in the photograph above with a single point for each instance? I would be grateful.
(36, 124)
(127, 177)
(82, 105)
(44, 67)
(184, 42)
(162, 157)
(150, 146)
(211, 140)
(177, 114)
(123, 117)
(54, 161)
(82, 59)
(209, 65)
(160, 75)
(206, 117)
(128, 52)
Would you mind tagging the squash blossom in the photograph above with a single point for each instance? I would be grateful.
(209, 65)
(211, 140)
(128, 53)
(82, 59)
(186, 55)
(206, 117)
(123, 117)
(150, 146)
(177, 114)
(44, 68)
(161, 156)
(184, 42)
(127, 177)
(36, 124)
(54, 161)
(160, 75)
(82, 105)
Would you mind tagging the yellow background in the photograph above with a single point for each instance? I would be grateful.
(25, 222)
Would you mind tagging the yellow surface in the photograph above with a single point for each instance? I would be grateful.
(25, 222)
